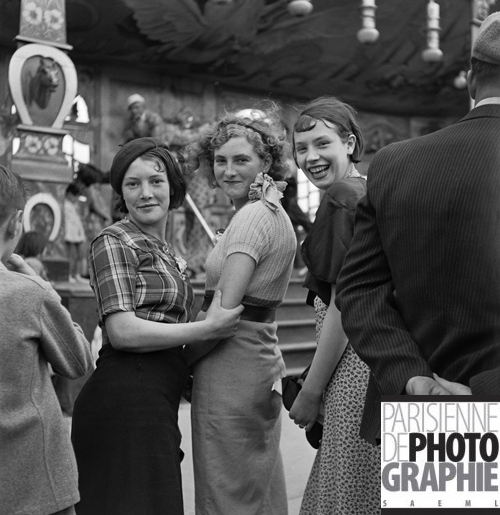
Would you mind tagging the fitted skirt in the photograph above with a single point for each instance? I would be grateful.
(126, 436)
(236, 420)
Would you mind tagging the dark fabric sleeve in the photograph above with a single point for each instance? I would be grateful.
(329, 240)
(486, 383)
(365, 297)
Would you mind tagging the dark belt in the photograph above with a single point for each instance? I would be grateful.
(260, 314)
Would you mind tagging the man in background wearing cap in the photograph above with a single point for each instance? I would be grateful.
(419, 291)
(142, 122)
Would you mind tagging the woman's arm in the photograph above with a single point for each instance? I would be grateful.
(331, 346)
(236, 275)
(129, 333)
(235, 278)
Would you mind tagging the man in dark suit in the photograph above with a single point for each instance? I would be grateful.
(419, 291)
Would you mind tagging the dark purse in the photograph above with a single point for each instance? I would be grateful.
(291, 387)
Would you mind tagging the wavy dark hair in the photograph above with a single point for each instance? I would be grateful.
(333, 111)
(264, 133)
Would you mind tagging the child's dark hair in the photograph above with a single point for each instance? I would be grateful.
(88, 174)
(12, 193)
(73, 189)
(31, 244)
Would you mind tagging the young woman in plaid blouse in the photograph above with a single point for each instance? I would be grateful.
(125, 432)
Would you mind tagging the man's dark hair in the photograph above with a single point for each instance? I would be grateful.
(485, 72)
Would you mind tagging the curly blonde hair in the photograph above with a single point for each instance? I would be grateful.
(264, 133)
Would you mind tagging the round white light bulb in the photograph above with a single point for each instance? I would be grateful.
(432, 55)
(367, 35)
(300, 7)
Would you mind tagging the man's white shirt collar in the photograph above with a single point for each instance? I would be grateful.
(490, 100)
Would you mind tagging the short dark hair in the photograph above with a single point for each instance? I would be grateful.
(12, 193)
(265, 134)
(165, 161)
(88, 174)
(31, 244)
(336, 112)
(484, 72)
(73, 189)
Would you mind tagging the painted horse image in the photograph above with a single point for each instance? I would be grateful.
(43, 83)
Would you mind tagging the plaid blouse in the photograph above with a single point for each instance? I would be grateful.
(132, 271)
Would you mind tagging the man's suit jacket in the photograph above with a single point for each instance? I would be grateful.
(419, 291)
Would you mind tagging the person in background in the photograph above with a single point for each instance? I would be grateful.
(74, 233)
(89, 179)
(291, 205)
(141, 122)
(298, 217)
(419, 290)
(38, 471)
(31, 247)
(125, 432)
(96, 209)
(345, 478)
(236, 401)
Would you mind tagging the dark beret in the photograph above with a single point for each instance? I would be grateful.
(127, 155)
(486, 47)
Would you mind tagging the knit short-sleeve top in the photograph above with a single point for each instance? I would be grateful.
(267, 236)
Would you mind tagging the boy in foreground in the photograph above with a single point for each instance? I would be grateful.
(38, 469)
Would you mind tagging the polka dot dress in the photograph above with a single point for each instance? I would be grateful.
(345, 478)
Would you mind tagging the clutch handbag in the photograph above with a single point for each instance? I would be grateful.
(291, 387)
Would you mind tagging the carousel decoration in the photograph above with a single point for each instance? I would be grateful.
(368, 33)
(460, 81)
(300, 7)
(432, 53)
(43, 85)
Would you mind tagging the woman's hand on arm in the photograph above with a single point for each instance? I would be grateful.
(130, 333)
(221, 322)
(236, 275)
(331, 346)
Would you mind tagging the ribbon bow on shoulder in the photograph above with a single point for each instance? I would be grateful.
(267, 190)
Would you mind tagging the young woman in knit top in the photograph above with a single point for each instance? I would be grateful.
(235, 406)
